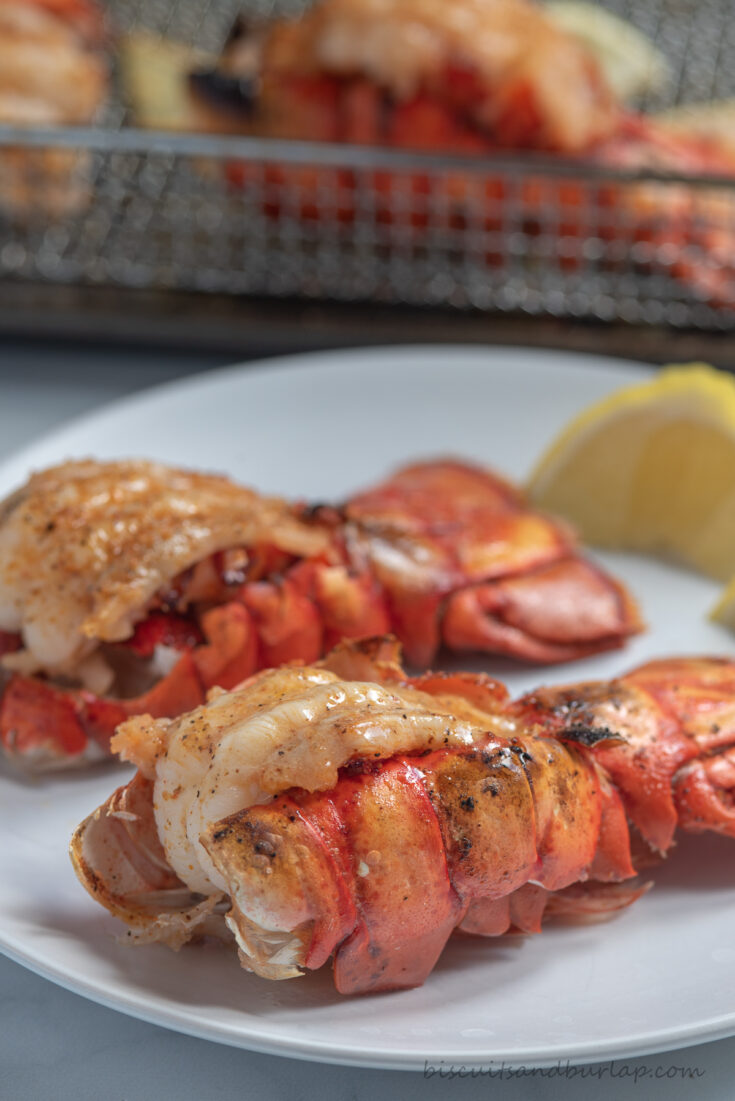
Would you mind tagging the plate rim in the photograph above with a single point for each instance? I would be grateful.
(590, 1051)
(587, 1053)
(293, 362)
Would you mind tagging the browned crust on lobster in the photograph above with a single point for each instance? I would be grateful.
(486, 836)
(104, 567)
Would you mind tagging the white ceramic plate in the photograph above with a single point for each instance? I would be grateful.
(659, 976)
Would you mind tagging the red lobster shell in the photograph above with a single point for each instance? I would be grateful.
(359, 814)
(219, 582)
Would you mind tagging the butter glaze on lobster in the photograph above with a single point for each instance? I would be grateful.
(130, 587)
(346, 810)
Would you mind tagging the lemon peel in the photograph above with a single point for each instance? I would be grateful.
(651, 468)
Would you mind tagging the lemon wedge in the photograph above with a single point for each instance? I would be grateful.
(724, 610)
(652, 468)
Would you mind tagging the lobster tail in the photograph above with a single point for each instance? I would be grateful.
(352, 812)
(466, 564)
(673, 762)
(201, 583)
(402, 850)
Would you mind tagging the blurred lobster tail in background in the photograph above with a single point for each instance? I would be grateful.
(482, 77)
(54, 71)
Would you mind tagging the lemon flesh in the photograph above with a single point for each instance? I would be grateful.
(724, 610)
(652, 468)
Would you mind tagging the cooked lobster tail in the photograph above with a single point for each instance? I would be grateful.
(501, 812)
(200, 583)
(673, 765)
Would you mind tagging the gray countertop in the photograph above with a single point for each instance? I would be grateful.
(56, 1045)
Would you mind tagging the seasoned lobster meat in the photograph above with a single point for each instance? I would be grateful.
(99, 566)
(130, 587)
(346, 810)
(85, 546)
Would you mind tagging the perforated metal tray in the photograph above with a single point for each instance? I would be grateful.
(115, 205)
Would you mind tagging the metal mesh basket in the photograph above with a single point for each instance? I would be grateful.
(121, 206)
